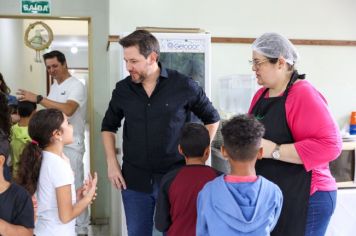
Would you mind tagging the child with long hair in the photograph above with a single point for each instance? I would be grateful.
(46, 171)
(16, 211)
(10, 99)
(5, 130)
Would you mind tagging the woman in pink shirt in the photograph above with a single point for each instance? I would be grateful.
(301, 138)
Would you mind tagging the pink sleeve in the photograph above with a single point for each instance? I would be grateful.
(316, 134)
(255, 99)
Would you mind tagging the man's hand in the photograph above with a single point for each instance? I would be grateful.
(24, 95)
(115, 175)
(114, 170)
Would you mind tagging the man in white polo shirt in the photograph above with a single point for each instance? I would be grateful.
(68, 95)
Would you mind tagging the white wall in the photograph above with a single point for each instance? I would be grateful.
(78, 60)
(68, 27)
(328, 68)
(11, 55)
(34, 78)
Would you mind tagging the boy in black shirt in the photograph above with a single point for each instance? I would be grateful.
(16, 210)
(176, 206)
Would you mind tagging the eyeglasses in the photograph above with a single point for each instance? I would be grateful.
(256, 63)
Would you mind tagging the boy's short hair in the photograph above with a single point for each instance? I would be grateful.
(242, 136)
(194, 139)
(25, 108)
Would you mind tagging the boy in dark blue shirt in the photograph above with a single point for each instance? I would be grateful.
(16, 210)
(176, 206)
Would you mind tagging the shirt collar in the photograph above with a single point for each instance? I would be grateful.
(163, 74)
(163, 71)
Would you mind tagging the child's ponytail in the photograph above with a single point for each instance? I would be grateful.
(41, 129)
(29, 167)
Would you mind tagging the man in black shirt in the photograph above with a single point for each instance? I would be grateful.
(155, 103)
(16, 209)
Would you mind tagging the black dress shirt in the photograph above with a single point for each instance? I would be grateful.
(153, 124)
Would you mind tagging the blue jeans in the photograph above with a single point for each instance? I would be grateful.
(320, 209)
(139, 210)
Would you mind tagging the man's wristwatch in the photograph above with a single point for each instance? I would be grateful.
(39, 99)
(276, 154)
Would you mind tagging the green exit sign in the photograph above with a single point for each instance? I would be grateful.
(35, 7)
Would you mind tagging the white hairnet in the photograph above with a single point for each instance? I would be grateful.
(274, 45)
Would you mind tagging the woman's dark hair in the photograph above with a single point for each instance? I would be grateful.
(275, 60)
(194, 139)
(3, 86)
(144, 40)
(41, 128)
(242, 137)
(5, 118)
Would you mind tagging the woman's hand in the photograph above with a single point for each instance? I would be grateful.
(268, 147)
(287, 152)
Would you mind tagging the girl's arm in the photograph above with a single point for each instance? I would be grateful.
(66, 210)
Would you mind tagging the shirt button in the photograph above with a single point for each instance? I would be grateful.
(149, 104)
